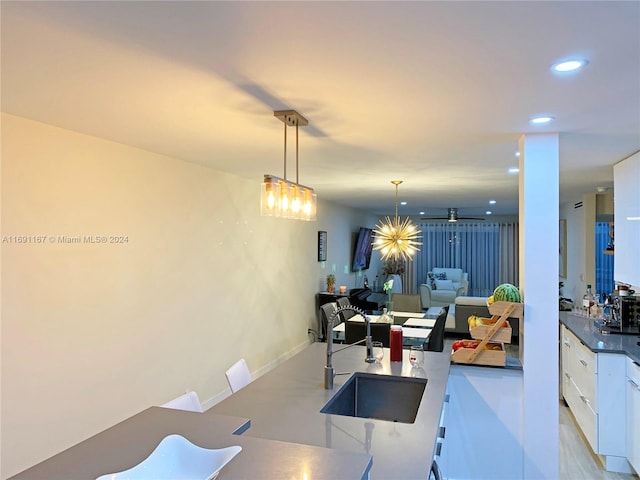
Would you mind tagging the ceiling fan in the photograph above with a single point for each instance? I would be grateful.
(452, 216)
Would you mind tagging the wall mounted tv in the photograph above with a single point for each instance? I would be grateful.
(362, 251)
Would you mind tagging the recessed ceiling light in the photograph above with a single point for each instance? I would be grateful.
(492, 202)
(514, 170)
(541, 119)
(488, 212)
(569, 65)
(403, 203)
(421, 213)
(517, 154)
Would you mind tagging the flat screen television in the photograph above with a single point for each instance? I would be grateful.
(362, 251)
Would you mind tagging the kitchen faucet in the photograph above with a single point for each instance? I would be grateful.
(328, 368)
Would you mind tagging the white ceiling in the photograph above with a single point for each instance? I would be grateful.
(434, 93)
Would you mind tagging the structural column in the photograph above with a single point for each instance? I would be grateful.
(539, 238)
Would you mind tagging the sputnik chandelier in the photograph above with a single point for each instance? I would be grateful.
(281, 197)
(395, 239)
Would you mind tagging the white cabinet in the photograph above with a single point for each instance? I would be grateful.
(484, 431)
(633, 414)
(579, 385)
(626, 180)
(593, 385)
(441, 457)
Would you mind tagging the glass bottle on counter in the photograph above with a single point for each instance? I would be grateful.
(395, 343)
(587, 301)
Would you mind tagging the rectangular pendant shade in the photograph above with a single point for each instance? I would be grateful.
(285, 199)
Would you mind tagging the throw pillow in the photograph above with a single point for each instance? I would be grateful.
(432, 280)
(444, 284)
(441, 275)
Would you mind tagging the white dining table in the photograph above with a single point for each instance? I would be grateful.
(407, 314)
(420, 322)
(411, 335)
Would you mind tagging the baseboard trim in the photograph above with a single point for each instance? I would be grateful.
(207, 404)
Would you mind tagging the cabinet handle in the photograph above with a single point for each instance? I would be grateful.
(633, 384)
(567, 375)
(567, 343)
(584, 399)
(442, 432)
(438, 449)
(583, 362)
(446, 398)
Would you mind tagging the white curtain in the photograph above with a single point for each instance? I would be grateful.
(477, 248)
(409, 285)
(509, 245)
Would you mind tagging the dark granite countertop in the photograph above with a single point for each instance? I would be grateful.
(129, 442)
(585, 329)
(285, 405)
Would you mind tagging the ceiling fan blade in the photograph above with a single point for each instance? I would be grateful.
(452, 216)
(457, 218)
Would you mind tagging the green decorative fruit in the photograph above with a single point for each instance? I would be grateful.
(507, 293)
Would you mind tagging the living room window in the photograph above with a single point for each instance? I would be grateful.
(488, 252)
(604, 262)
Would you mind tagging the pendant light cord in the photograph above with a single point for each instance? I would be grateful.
(285, 150)
(396, 204)
(285, 154)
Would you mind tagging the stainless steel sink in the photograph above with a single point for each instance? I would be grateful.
(382, 397)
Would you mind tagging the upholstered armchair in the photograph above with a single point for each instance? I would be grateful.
(442, 286)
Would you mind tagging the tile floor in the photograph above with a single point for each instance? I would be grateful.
(577, 461)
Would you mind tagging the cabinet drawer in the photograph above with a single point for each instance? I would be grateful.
(586, 357)
(571, 346)
(633, 371)
(632, 443)
(585, 416)
(584, 378)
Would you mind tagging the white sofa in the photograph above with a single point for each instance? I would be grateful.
(449, 283)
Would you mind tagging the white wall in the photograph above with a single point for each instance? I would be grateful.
(580, 246)
(94, 333)
(342, 227)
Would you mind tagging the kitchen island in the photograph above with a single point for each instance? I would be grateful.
(281, 430)
(129, 442)
(285, 405)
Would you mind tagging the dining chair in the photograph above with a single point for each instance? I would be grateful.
(435, 341)
(326, 311)
(356, 331)
(406, 303)
(188, 401)
(238, 375)
(347, 314)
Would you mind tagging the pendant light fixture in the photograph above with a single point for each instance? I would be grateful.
(395, 239)
(610, 249)
(281, 197)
